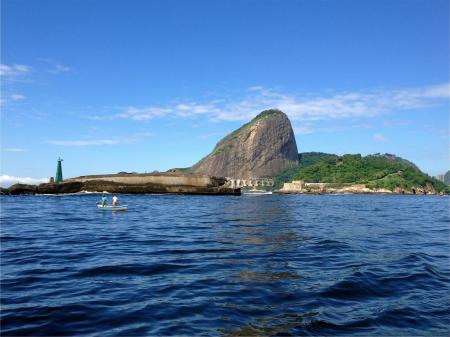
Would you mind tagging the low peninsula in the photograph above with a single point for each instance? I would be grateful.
(174, 181)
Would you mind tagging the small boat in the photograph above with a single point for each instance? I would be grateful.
(256, 192)
(113, 208)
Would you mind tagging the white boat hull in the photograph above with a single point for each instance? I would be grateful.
(113, 208)
(257, 193)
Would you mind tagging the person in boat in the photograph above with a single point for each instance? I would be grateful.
(115, 201)
(104, 200)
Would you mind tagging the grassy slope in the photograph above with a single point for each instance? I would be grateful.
(393, 157)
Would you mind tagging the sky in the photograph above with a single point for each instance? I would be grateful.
(112, 85)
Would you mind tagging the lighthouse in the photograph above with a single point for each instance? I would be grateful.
(59, 176)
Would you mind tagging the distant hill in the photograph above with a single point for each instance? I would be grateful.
(305, 159)
(309, 158)
(264, 146)
(375, 171)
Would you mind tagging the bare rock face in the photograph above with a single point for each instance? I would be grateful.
(18, 189)
(263, 147)
(139, 184)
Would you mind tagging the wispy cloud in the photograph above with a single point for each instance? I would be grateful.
(59, 68)
(15, 70)
(379, 138)
(83, 142)
(6, 180)
(17, 97)
(299, 107)
(14, 149)
(55, 67)
(142, 113)
(104, 141)
(304, 129)
(309, 128)
(6, 99)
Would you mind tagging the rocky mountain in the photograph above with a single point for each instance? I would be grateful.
(263, 147)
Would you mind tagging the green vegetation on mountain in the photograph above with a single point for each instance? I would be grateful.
(309, 158)
(375, 171)
(305, 159)
(394, 158)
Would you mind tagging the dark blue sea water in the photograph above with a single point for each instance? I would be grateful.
(291, 265)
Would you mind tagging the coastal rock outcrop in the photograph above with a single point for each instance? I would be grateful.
(299, 186)
(263, 147)
(21, 189)
(132, 183)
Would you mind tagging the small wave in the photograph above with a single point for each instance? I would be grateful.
(46, 320)
(331, 246)
(325, 328)
(192, 251)
(5, 238)
(397, 318)
(92, 192)
(46, 271)
(362, 285)
(415, 258)
(130, 269)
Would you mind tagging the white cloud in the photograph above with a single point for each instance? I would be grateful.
(255, 88)
(83, 142)
(59, 68)
(54, 67)
(303, 129)
(10, 71)
(143, 113)
(14, 149)
(310, 127)
(379, 138)
(106, 141)
(7, 99)
(17, 97)
(299, 107)
(6, 180)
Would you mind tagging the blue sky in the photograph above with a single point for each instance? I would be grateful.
(151, 85)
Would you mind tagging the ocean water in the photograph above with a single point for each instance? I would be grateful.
(290, 265)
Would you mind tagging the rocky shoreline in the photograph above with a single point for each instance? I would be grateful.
(130, 184)
(300, 187)
(98, 187)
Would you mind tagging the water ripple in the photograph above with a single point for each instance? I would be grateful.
(176, 265)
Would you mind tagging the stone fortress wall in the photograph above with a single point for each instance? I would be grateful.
(136, 179)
